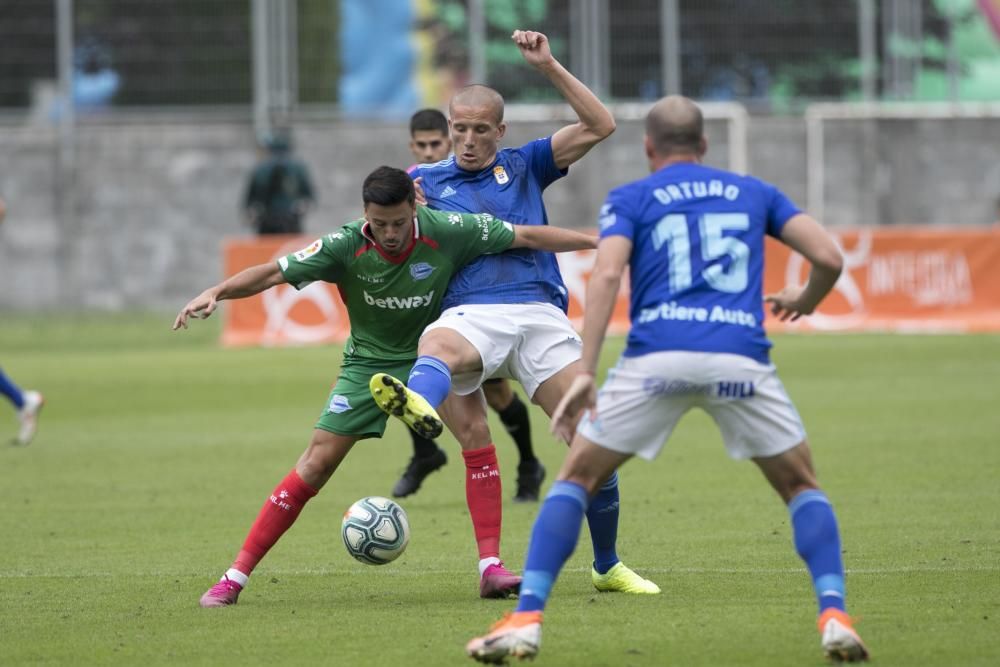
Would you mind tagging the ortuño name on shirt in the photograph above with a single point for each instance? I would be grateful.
(695, 190)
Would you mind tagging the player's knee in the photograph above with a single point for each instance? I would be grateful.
(498, 394)
(435, 343)
(450, 347)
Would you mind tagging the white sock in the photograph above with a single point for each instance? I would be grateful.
(485, 563)
(237, 576)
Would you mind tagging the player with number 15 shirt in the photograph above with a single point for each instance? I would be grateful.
(706, 227)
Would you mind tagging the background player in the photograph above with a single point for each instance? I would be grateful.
(28, 403)
(430, 143)
(392, 268)
(506, 317)
(693, 237)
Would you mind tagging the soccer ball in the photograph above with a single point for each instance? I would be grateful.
(375, 530)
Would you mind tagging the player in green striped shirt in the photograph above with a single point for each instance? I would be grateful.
(391, 268)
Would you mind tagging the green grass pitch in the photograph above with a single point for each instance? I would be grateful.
(157, 449)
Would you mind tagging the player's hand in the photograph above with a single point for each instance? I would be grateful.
(581, 395)
(534, 47)
(418, 187)
(199, 307)
(787, 304)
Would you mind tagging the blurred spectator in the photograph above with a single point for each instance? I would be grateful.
(95, 81)
(279, 192)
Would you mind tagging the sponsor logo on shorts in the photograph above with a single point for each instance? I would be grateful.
(339, 404)
(309, 250)
(400, 303)
(661, 387)
(734, 390)
(421, 270)
(500, 174)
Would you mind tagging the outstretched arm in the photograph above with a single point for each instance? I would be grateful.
(807, 237)
(595, 123)
(613, 255)
(247, 282)
(552, 239)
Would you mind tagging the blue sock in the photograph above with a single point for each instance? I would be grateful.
(431, 378)
(11, 391)
(602, 517)
(814, 528)
(553, 539)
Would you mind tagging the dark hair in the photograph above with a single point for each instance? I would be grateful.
(388, 186)
(428, 119)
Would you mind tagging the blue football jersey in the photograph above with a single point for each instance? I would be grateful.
(697, 265)
(509, 189)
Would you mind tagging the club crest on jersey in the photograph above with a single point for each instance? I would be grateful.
(500, 174)
(339, 404)
(309, 250)
(421, 270)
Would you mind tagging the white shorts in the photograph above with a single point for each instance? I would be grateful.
(644, 397)
(529, 342)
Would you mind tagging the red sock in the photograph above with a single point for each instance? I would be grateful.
(483, 494)
(276, 516)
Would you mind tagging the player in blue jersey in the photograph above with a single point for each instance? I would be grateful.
(28, 403)
(430, 143)
(693, 239)
(507, 317)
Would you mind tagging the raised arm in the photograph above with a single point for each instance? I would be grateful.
(552, 239)
(595, 123)
(613, 255)
(246, 283)
(806, 236)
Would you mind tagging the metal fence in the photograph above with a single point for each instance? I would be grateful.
(773, 55)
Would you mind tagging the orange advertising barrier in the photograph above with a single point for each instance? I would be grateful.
(903, 280)
(281, 315)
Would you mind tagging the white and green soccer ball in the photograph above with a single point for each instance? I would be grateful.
(375, 530)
